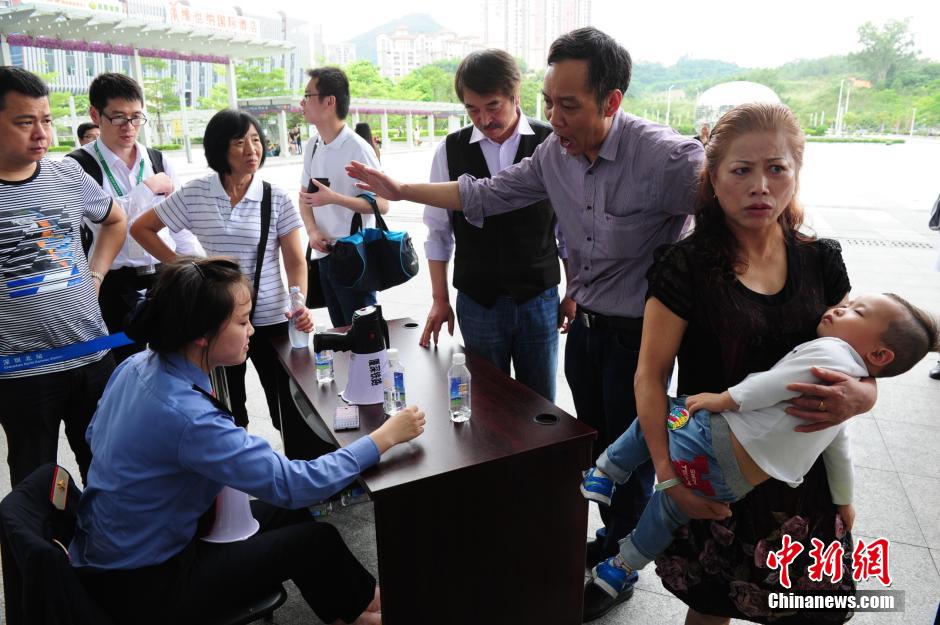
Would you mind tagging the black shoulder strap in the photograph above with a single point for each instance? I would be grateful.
(357, 218)
(156, 160)
(262, 244)
(88, 163)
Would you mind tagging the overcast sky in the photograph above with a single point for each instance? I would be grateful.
(751, 34)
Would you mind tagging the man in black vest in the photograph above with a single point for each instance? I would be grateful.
(506, 273)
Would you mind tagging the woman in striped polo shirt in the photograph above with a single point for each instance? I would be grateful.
(223, 210)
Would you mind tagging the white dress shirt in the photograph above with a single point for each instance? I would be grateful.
(138, 199)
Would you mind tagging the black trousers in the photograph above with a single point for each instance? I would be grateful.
(600, 365)
(32, 407)
(299, 440)
(191, 586)
(119, 294)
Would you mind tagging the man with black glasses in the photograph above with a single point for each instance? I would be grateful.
(137, 178)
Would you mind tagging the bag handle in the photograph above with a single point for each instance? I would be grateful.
(262, 244)
(356, 224)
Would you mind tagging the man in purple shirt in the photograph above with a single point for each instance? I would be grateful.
(620, 186)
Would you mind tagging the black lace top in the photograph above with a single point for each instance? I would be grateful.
(720, 568)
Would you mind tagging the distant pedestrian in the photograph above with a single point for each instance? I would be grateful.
(87, 132)
(364, 131)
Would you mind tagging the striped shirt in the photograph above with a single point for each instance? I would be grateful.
(47, 295)
(203, 207)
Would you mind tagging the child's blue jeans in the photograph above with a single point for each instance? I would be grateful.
(704, 459)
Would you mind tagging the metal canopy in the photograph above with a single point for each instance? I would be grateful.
(363, 106)
(68, 24)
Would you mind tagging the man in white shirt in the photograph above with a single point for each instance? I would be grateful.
(328, 211)
(137, 179)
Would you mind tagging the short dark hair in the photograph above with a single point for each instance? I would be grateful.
(18, 80)
(332, 81)
(191, 299)
(224, 126)
(488, 71)
(609, 63)
(910, 338)
(113, 86)
(365, 131)
(83, 128)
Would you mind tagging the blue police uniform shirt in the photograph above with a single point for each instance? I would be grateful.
(163, 451)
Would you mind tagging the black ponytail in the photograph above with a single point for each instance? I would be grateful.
(191, 299)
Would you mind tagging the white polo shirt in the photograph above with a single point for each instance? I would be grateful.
(329, 160)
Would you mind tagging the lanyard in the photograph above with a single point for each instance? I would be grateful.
(31, 360)
(107, 171)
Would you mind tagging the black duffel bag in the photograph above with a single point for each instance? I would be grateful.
(372, 259)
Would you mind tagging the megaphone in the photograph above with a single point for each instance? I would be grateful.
(366, 341)
(233, 520)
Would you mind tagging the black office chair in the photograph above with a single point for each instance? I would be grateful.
(40, 586)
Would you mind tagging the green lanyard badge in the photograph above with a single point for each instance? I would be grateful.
(107, 171)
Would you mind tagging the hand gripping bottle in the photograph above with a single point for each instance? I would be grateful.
(298, 307)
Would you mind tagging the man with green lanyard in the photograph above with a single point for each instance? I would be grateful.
(137, 178)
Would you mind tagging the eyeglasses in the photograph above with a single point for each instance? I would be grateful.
(307, 96)
(120, 120)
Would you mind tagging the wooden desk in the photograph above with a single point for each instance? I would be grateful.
(476, 523)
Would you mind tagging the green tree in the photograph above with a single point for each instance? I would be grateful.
(366, 82)
(251, 81)
(428, 84)
(886, 50)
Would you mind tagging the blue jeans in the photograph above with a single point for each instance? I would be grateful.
(341, 302)
(696, 460)
(526, 334)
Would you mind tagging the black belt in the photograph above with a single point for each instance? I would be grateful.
(597, 321)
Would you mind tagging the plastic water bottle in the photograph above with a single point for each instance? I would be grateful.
(354, 495)
(298, 338)
(324, 361)
(394, 383)
(322, 509)
(458, 382)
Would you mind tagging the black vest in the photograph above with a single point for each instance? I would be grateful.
(512, 254)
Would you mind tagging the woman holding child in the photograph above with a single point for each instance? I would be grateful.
(732, 299)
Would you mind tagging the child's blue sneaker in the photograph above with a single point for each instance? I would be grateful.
(614, 577)
(597, 488)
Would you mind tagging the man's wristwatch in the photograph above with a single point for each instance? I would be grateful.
(667, 484)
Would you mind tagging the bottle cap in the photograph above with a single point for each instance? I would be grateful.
(392, 353)
(460, 359)
(294, 289)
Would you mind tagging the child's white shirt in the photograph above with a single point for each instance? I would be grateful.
(766, 431)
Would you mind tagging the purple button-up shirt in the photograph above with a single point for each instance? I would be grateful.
(613, 213)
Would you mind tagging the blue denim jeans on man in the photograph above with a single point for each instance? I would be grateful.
(526, 334)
